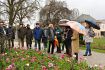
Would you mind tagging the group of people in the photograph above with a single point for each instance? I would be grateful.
(66, 38)
(7, 35)
(47, 36)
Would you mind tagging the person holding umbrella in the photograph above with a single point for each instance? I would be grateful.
(77, 28)
(88, 40)
(88, 22)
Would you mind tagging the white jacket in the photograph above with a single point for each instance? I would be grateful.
(87, 38)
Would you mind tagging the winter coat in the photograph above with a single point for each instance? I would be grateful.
(45, 35)
(37, 33)
(58, 34)
(10, 33)
(21, 32)
(75, 42)
(29, 36)
(1, 31)
(51, 33)
(87, 38)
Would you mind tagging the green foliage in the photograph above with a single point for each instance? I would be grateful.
(21, 59)
(99, 43)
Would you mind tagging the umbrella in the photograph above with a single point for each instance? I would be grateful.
(76, 26)
(93, 24)
(90, 20)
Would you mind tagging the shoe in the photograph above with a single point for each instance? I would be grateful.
(65, 53)
(89, 54)
(84, 55)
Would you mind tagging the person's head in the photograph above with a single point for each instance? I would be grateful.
(51, 26)
(37, 25)
(85, 24)
(21, 25)
(28, 26)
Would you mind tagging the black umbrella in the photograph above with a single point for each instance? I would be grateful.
(90, 20)
(93, 24)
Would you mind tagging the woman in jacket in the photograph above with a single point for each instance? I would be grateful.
(88, 40)
(75, 44)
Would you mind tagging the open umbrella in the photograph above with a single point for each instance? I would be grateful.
(93, 24)
(90, 20)
(75, 26)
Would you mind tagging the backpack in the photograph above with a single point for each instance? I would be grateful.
(91, 33)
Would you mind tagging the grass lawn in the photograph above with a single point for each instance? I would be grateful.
(98, 45)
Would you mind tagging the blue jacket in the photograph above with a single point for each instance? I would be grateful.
(37, 33)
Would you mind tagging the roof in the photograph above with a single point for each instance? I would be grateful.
(83, 17)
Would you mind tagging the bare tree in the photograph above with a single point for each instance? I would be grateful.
(18, 8)
(54, 11)
(28, 9)
(74, 14)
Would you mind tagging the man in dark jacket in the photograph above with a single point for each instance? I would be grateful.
(1, 38)
(21, 34)
(29, 36)
(68, 41)
(37, 35)
(51, 36)
(45, 36)
(10, 32)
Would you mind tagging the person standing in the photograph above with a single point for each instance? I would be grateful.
(68, 41)
(88, 40)
(29, 36)
(51, 35)
(37, 36)
(10, 32)
(2, 38)
(21, 34)
(75, 44)
(45, 37)
(63, 38)
(58, 33)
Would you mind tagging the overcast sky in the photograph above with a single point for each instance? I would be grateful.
(95, 8)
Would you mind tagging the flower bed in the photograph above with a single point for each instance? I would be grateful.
(19, 59)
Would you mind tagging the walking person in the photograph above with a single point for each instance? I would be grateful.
(37, 36)
(88, 39)
(29, 36)
(51, 35)
(75, 44)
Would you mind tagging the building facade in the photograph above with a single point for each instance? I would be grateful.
(100, 33)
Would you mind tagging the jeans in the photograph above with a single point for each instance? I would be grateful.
(37, 42)
(88, 49)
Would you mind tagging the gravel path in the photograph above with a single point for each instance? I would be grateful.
(95, 59)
